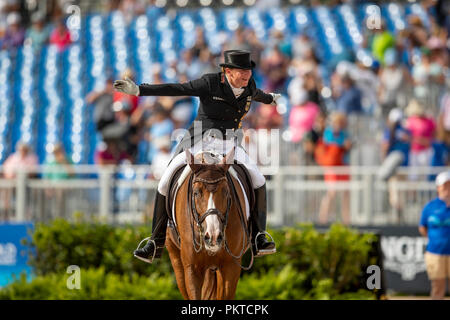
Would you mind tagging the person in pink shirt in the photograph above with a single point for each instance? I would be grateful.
(61, 36)
(422, 130)
(301, 119)
(23, 158)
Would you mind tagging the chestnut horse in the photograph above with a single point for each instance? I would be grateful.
(212, 228)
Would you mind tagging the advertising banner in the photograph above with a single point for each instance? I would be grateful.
(13, 254)
(403, 263)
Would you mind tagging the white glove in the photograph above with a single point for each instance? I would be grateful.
(126, 86)
(275, 97)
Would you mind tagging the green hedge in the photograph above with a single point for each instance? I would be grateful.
(57, 245)
(97, 284)
(308, 265)
(340, 255)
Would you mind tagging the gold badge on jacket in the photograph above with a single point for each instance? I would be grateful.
(249, 101)
(247, 107)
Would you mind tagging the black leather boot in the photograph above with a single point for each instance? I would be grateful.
(260, 245)
(155, 244)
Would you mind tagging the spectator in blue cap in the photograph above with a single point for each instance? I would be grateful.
(435, 225)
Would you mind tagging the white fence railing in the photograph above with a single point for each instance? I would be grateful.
(295, 194)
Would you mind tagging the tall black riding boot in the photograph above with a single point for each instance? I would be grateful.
(260, 245)
(153, 248)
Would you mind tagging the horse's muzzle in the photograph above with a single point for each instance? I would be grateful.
(213, 230)
(212, 241)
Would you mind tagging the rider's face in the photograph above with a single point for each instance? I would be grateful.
(238, 77)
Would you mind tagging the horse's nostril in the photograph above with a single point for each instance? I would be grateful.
(219, 238)
(207, 237)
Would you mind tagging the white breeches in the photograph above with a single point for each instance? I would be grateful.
(218, 146)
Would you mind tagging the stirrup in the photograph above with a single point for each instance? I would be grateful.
(154, 251)
(264, 252)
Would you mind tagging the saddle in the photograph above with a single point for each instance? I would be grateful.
(173, 189)
(242, 175)
(244, 178)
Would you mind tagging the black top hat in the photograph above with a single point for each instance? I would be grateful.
(239, 59)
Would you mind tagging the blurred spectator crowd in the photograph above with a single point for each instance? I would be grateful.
(405, 88)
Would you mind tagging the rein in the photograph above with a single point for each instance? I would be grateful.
(245, 244)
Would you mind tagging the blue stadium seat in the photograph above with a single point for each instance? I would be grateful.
(75, 107)
(333, 45)
(26, 112)
(278, 19)
(349, 26)
(97, 57)
(142, 44)
(230, 19)
(185, 30)
(417, 9)
(394, 14)
(255, 19)
(5, 104)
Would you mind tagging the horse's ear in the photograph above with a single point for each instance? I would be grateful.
(191, 161)
(228, 160)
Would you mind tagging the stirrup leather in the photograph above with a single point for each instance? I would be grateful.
(154, 250)
(263, 252)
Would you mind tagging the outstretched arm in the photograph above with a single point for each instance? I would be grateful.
(196, 87)
(267, 98)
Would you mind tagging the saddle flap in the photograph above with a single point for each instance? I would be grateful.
(245, 179)
(173, 187)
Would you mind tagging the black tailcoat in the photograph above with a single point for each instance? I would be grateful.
(219, 108)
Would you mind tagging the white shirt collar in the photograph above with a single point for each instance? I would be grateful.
(237, 91)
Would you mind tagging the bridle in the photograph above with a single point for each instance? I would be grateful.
(223, 217)
(199, 219)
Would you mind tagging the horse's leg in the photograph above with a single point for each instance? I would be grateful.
(175, 259)
(194, 281)
(227, 280)
(209, 286)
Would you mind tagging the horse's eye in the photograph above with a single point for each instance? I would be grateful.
(197, 193)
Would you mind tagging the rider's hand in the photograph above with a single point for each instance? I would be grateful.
(275, 97)
(126, 86)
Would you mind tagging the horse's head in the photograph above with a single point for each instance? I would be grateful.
(211, 197)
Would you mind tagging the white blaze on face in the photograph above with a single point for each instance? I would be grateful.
(212, 222)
